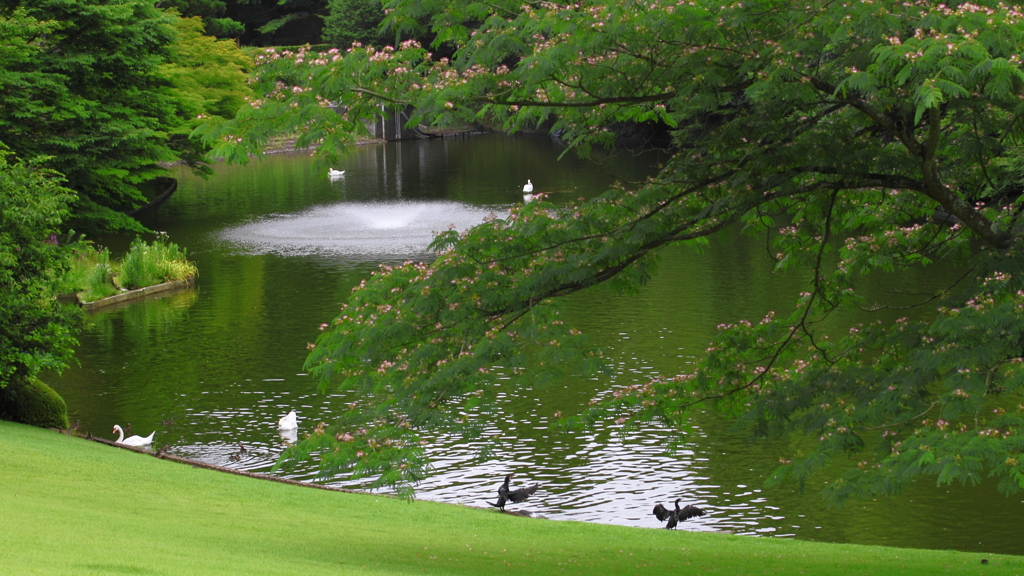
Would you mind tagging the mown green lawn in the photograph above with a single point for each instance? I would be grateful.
(71, 506)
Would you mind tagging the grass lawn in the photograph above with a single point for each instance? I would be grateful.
(71, 506)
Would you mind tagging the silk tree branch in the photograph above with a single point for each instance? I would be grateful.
(663, 97)
(925, 154)
(380, 96)
(684, 231)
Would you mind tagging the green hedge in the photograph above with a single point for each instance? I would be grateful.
(33, 403)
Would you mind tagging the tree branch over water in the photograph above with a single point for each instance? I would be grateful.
(837, 133)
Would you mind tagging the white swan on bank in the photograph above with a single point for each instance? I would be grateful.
(332, 173)
(288, 422)
(132, 440)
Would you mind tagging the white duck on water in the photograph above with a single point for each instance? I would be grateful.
(132, 440)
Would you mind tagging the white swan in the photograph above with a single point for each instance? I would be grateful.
(288, 422)
(132, 440)
(331, 172)
(528, 187)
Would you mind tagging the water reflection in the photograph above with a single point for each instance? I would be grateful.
(280, 246)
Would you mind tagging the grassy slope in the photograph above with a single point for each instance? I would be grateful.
(70, 506)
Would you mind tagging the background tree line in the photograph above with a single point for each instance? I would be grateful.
(289, 22)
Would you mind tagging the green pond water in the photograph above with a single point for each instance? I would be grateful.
(279, 246)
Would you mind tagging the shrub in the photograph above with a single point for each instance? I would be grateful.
(34, 403)
(36, 331)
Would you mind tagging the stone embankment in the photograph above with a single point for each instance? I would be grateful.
(136, 294)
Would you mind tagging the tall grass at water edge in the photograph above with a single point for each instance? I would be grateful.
(149, 264)
(94, 275)
(90, 275)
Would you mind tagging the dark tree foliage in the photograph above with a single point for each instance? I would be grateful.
(203, 8)
(88, 96)
(278, 22)
(210, 11)
(351, 21)
(101, 91)
(854, 138)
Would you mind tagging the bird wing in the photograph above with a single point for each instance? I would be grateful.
(662, 513)
(690, 511)
(522, 493)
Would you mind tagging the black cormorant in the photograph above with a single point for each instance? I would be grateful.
(505, 496)
(678, 515)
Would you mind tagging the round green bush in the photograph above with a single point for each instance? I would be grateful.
(34, 403)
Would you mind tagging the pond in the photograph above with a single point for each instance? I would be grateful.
(280, 245)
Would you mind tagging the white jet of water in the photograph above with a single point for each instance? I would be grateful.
(363, 229)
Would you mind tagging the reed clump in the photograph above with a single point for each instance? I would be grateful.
(94, 275)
